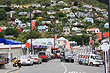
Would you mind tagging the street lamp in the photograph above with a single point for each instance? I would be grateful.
(30, 31)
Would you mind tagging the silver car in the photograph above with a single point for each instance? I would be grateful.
(26, 60)
(36, 59)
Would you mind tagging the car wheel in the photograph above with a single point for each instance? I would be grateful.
(40, 62)
(91, 64)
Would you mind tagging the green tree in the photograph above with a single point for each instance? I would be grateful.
(2, 14)
(28, 15)
(8, 2)
(61, 14)
(2, 34)
(65, 19)
(75, 3)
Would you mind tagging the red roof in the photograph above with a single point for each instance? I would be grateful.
(91, 29)
(100, 18)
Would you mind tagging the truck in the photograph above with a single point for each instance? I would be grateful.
(90, 59)
(3, 60)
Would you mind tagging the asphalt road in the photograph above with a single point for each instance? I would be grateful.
(55, 66)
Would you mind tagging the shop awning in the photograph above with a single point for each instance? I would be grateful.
(55, 48)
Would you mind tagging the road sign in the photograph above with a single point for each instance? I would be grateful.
(105, 47)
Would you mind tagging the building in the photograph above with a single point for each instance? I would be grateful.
(42, 28)
(66, 31)
(93, 30)
(88, 20)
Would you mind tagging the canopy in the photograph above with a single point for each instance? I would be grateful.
(12, 42)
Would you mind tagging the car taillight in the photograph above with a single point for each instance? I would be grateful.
(35, 58)
(28, 60)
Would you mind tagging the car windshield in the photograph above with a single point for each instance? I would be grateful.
(34, 56)
(41, 53)
(24, 57)
(98, 58)
(68, 54)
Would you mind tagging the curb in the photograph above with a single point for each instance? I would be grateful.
(12, 70)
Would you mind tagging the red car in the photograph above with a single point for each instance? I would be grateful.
(43, 56)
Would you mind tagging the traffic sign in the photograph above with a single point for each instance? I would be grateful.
(105, 46)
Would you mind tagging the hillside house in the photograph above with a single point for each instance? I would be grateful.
(51, 12)
(74, 7)
(100, 19)
(66, 31)
(72, 19)
(42, 28)
(92, 30)
(22, 13)
(65, 10)
(88, 20)
(70, 15)
(76, 29)
(78, 24)
(10, 13)
(46, 23)
(87, 6)
(36, 5)
(58, 23)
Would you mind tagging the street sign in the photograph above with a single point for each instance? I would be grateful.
(105, 47)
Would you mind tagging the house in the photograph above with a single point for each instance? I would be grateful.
(55, 29)
(11, 22)
(74, 7)
(53, 3)
(22, 13)
(58, 23)
(37, 12)
(93, 30)
(26, 30)
(65, 10)
(43, 6)
(100, 19)
(80, 14)
(46, 23)
(88, 20)
(97, 9)
(72, 19)
(68, 24)
(104, 11)
(70, 15)
(87, 6)
(106, 25)
(88, 9)
(52, 17)
(15, 6)
(20, 24)
(9, 14)
(36, 5)
(76, 29)
(61, 2)
(51, 12)
(42, 28)
(66, 31)
(78, 24)
(63, 43)
(90, 14)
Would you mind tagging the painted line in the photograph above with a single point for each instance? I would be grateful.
(17, 72)
(11, 70)
(25, 68)
(65, 68)
(22, 70)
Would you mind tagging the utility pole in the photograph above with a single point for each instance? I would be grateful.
(54, 40)
(30, 32)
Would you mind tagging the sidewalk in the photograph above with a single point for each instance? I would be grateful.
(8, 68)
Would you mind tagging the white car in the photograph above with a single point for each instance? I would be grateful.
(36, 59)
(26, 60)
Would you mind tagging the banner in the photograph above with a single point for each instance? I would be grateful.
(106, 34)
(0, 29)
(27, 45)
(55, 37)
(100, 36)
(66, 42)
(33, 24)
(71, 48)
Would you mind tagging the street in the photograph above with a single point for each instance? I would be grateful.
(55, 66)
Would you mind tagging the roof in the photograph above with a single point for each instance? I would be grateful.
(100, 18)
(91, 29)
(61, 38)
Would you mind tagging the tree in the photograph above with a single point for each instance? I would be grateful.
(28, 15)
(8, 2)
(61, 14)
(64, 19)
(11, 31)
(75, 3)
(2, 14)
(2, 34)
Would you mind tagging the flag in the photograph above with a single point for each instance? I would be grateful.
(100, 36)
(66, 42)
(55, 37)
(33, 24)
(0, 29)
(90, 38)
(71, 48)
(106, 34)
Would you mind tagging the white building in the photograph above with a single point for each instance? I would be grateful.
(42, 28)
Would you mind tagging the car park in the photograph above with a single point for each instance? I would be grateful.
(36, 59)
(66, 56)
(26, 60)
(43, 56)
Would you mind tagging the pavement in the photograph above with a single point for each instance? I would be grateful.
(9, 68)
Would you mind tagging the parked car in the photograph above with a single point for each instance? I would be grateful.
(36, 59)
(26, 60)
(66, 56)
(52, 56)
(43, 56)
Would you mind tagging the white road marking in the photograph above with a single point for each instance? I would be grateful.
(65, 68)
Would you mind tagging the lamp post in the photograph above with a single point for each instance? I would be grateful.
(30, 31)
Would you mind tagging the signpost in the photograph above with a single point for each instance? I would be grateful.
(105, 47)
